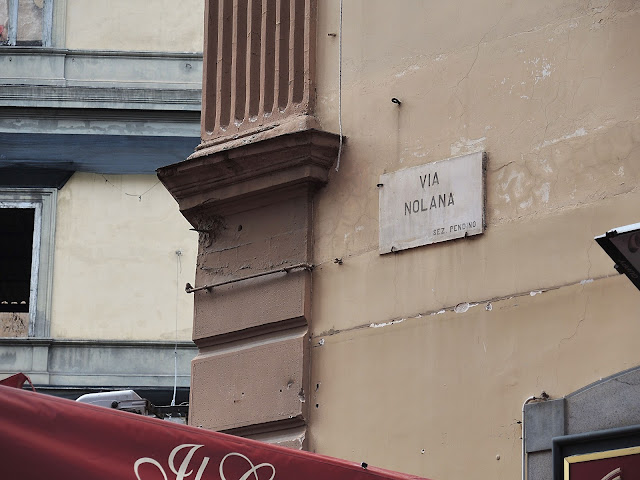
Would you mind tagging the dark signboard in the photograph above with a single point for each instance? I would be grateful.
(620, 464)
(622, 244)
(602, 455)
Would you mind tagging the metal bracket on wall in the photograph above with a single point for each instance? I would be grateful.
(299, 266)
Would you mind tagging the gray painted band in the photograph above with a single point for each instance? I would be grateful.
(97, 363)
(60, 78)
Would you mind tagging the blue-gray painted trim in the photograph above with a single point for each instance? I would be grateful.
(34, 177)
(107, 154)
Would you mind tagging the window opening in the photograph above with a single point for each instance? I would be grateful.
(27, 224)
(16, 258)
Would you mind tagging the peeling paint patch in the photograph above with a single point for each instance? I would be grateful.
(466, 145)
(543, 192)
(14, 324)
(321, 342)
(588, 280)
(580, 132)
(527, 203)
(462, 307)
(412, 68)
(438, 312)
(545, 165)
(541, 68)
(506, 197)
(488, 307)
(393, 322)
(535, 292)
(518, 177)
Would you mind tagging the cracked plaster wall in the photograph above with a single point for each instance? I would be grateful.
(135, 25)
(550, 91)
(116, 272)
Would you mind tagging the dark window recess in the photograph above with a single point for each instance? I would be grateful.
(16, 244)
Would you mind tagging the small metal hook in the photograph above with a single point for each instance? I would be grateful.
(396, 101)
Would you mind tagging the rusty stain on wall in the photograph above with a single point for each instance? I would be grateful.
(30, 20)
(14, 324)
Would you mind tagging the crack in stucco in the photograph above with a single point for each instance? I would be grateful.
(452, 308)
(589, 260)
(475, 59)
(582, 318)
(501, 167)
(630, 384)
(575, 332)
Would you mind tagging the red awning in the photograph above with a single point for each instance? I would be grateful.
(44, 437)
(17, 381)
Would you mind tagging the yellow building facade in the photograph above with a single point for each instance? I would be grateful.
(469, 329)
(419, 360)
(93, 99)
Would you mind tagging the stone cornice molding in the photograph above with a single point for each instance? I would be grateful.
(30, 50)
(93, 363)
(93, 343)
(251, 171)
(60, 78)
(53, 96)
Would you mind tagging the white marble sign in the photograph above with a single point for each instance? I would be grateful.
(432, 203)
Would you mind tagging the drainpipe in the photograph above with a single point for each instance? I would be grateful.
(524, 455)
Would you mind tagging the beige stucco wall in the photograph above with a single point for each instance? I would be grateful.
(127, 25)
(116, 272)
(550, 91)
